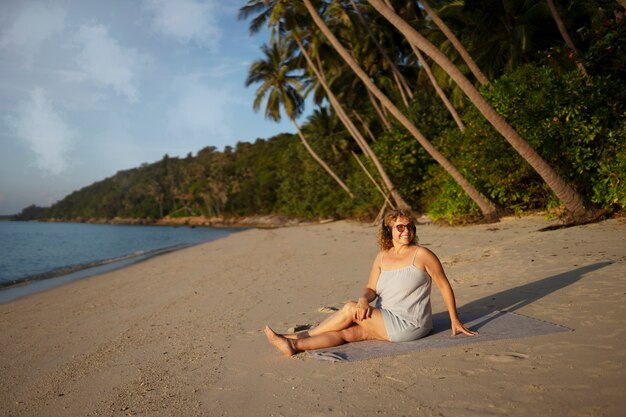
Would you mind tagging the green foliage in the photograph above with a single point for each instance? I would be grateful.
(306, 190)
(367, 199)
(406, 163)
(575, 124)
(31, 212)
(429, 114)
(607, 51)
(609, 188)
(269, 176)
(446, 199)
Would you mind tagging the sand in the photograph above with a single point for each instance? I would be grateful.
(181, 334)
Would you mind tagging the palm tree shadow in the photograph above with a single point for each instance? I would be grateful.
(515, 298)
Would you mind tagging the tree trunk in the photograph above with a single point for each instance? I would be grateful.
(400, 80)
(356, 134)
(485, 205)
(456, 43)
(572, 200)
(320, 161)
(365, 126)
(440, 93)
(381, 116)
(380, 190)
(566, 38)
(401, 90)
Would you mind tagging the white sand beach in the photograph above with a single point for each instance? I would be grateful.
(181, 334)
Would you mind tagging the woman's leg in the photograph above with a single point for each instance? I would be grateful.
(299, 335)
(371, 328)
(339, 320)
(290, 346)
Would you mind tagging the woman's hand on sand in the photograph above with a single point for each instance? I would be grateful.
(363, 310)
(457, 327)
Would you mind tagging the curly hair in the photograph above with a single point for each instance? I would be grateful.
(385, 242)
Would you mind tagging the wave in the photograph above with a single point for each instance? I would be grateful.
(70, 269)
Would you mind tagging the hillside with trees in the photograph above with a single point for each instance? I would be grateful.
(456, 109)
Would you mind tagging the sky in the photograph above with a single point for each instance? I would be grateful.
(90, 87)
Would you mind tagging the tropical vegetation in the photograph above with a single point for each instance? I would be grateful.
(456, 109)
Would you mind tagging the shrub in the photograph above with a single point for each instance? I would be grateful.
(575, 124)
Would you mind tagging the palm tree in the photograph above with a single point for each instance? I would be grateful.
(399, 78)
(352, 129)
(566, 37)
(456, 43)
(325, 125)
(570, 198)
(277, 14)
(281, 88)
(442, 95)
(486, 207)
(501, 34)
(414, 12)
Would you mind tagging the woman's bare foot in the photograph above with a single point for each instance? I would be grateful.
(279, 342)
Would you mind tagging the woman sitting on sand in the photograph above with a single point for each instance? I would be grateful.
(401, 280)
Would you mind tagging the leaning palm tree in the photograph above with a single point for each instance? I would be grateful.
(568, 40)
(421, 62)
(502, 34)
(487, 208)
(350, 127)
(278, 14)
(282, 90)
(403, 86)
(455, 42)
(570, 198)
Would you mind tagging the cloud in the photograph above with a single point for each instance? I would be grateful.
(224, 69)
(200, 111)
(31, 27)
(103, 60)
(115, 148)
(185, 20)
(47, 135)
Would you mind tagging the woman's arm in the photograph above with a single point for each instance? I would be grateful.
(435, 270)
(363, 310)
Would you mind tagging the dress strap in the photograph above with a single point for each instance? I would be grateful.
(415, 256)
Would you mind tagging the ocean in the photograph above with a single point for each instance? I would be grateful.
(35, 256)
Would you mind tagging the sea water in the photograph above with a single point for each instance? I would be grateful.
(40, 255)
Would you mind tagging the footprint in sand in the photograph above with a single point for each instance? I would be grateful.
(507, 357)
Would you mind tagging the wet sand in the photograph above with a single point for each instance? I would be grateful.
(182, 334)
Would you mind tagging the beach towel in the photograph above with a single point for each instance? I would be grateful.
(498, 325)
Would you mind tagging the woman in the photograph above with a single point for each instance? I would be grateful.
(400, 280)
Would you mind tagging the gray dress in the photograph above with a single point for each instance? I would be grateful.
(404, 299)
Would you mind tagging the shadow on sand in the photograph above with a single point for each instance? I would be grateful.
(518, 297)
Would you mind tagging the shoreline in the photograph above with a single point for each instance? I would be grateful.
(15, 289)
(21, 287)
(181, 333)
(70, 269)
(259, 221)
(271, 221)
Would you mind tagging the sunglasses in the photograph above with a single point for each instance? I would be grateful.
(401, 227)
